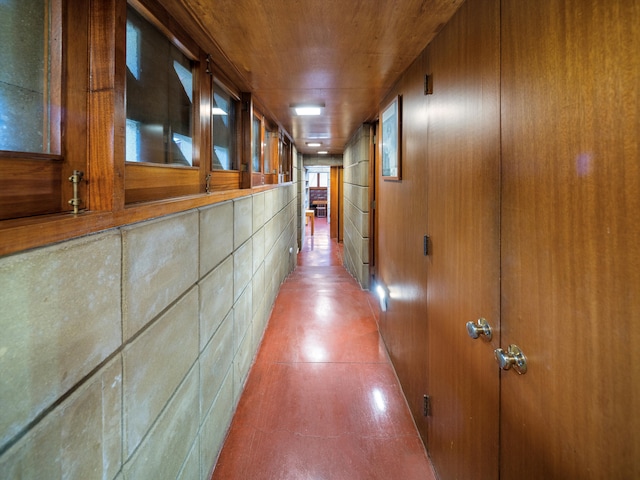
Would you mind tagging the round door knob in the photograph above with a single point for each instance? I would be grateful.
(482, 327)
(512, 358)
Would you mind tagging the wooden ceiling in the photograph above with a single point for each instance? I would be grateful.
(345, 54)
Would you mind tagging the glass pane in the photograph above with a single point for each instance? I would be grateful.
(224, 130)
(159, 96)
(256, 144)
(271, 152)
(313, 179)
(324, 179)
(25, 84)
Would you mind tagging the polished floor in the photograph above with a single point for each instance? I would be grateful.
(322, 401)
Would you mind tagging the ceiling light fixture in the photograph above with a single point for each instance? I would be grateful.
(314, 144)
(323, 152)
(308, 109)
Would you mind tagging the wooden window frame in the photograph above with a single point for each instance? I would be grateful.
(227, 179)
(93, 133)
(31, 182)
(286, 159)
(273, 147)
(257, 177)
(145, 182)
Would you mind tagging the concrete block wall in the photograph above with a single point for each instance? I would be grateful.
(356, 206)
(123, 354)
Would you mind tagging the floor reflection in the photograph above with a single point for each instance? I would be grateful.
(322, 400)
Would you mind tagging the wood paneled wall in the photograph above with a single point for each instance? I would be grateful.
(523, 168)
(450, 191)
(401, 209)
(570, 229)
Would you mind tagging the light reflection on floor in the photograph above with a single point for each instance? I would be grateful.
(322, 400)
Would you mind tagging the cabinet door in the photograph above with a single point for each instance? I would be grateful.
(571, 238)
(463, 189)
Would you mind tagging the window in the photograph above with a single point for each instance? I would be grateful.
(159, 100)
(286, 158)
(271, 145)
(138, 118)
(319, 179)
(30, 106)
(162, 101)
(256, 145)
(29, 77)
(225, 130)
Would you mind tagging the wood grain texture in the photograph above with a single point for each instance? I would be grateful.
(106, 110)
(147, 182)
(29, 186)
(463, 276)
(76, 74)
(346, 55)
(22, 234)
(336, 203)
(225, 180)
(450, 190)
(571, 256)
(401, 212)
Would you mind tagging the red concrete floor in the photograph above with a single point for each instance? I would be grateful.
(322, 401)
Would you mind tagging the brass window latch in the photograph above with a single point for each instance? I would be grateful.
(75, 179)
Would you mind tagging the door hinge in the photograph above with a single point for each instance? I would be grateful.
(426, 406)
(428, 84)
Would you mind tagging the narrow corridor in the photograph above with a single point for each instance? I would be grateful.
(322, 400)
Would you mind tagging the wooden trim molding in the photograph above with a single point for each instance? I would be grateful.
(26, 233)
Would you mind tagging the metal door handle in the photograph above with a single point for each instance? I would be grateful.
(513, 357)
(482, 327)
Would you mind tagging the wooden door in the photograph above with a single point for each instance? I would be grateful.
(463, 202)
(570, 238)
(335, 204)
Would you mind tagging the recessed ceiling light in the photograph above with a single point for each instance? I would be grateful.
(323, 152)
(314, 144)
(308, 108)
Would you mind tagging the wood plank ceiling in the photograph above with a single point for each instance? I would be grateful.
(345, 54)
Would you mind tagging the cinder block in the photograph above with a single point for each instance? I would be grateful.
(215, 362)
(216, 235)
(160, 263)
(258, 211)
(242, 364)
(216, 299)
(258, 287)
(59, 318)
(242, 268)
(258, 248)
(242, 315)
(154, 365)
(80, 439)
(191, 468)
(215, 426)
(242, 220)
(166, 447)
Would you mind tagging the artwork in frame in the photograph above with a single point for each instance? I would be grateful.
(391, 136)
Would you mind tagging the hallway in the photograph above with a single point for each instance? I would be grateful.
(322, 400)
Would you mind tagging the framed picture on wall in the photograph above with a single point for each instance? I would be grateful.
(391, 134)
